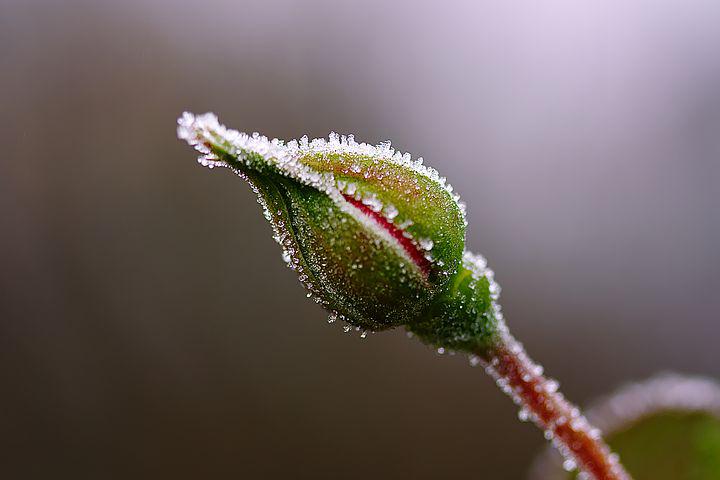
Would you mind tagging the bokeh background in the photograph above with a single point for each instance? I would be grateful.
(148, 326)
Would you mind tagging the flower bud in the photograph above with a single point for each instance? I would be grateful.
(373, 236)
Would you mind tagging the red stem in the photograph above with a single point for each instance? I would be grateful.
(579, 442)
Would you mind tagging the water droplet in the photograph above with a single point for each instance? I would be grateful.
(404, 224)
(569, 465)
(524, 414)
(426, 243)
(551, 385)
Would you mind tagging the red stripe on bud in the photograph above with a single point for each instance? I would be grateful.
(417, 255)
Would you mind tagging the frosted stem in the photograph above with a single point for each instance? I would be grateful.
(579, 442)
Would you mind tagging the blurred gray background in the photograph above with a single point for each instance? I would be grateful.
(148, 326)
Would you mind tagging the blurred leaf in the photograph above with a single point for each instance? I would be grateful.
(670, 446)
(666, 428)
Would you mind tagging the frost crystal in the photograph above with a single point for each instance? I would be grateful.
(203, 130)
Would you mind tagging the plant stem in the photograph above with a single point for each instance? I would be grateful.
(580, 443)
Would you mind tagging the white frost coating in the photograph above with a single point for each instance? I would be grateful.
(201, 130)
(477, 264)
(346, 144)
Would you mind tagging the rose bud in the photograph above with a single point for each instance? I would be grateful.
(375, 237)
(379, 240)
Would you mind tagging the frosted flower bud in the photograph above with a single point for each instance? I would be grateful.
(374, 236)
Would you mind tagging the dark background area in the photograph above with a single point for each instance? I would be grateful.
(148, 326)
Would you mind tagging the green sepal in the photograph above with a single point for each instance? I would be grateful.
(464, 317)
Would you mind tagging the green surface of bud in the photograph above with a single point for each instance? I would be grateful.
(374, 236)
(465, 316)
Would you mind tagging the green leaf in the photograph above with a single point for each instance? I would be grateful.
(667, 428)
(670, 445)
